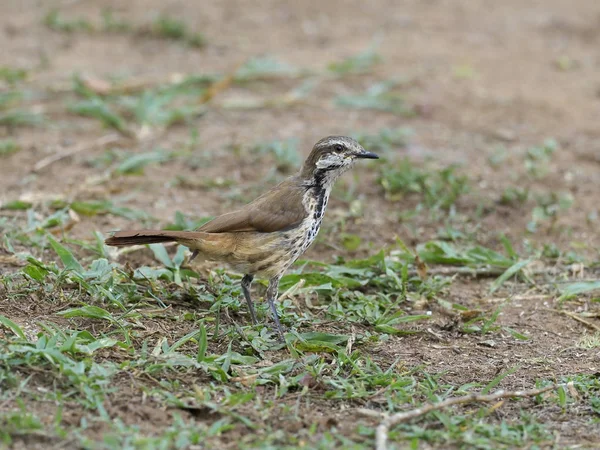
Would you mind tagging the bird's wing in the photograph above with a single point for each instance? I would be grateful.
(276, 210)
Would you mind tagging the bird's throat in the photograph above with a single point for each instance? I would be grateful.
(315, 202)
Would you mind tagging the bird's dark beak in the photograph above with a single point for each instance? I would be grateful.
(367, 155)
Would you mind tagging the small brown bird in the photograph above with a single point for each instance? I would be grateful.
(267, 235)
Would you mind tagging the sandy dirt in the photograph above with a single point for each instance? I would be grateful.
(484, 77)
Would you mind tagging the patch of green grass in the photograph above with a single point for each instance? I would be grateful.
(589, 341)
(222, 376)
(467, 431)
(437, 188)
(379, 97)
(514, 196)
(135, 164)
(572, 290)
(156, 108)
(549, 206)
(152, 109)
(8, 147)
(538, 158)
(181, 434)
(102, 207)
(99, 109)
(181, 222)
(15, 118)
(163, 27)
(168, 27)
(57, 22)
(319, 363)
(261, 67)
(111, 23)
(587, 387)
(361, 63)
(285, 153)
(10, 98)
(12, 75)
(18, 423)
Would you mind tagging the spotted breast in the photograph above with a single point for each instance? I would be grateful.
(315, 208)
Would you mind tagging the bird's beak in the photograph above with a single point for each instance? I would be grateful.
(366, 155)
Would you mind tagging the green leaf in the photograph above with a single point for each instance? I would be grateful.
(227, 358)
(16, 329)
(351, 242)
(97, 108)
(202, 343)
(516, 334)
(482, 255)
(96, 345)
(378, 97)
(510, 272)
(439, 252)
(410, 318)
(320, 281)
(492, 384)
(359, 63)
(88, 208)
(320, 342)
(100, 269)
(263, 66)
(36, 272)
(149, 273)
(160, 253)
(66, 256)
(325, 337)
(562, 396)
(580, 287)
(508, 247)
(89, 311)
(179, 256)
(17, 205)
(137, 162)
(279, 368)
(188, 337)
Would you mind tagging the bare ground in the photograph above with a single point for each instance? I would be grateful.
(484, 76)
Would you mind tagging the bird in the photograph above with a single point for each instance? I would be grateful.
(266, 236)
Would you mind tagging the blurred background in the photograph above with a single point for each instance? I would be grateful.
(208, 99)
(158, 113)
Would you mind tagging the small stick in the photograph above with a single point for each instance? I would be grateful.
(292, 290)
(381, 436)
(480, 271)
(221, 85)
(576, 317)
(104, 140)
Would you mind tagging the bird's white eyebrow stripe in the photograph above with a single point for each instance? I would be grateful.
(336, 140)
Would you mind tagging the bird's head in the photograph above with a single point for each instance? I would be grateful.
(332, 156)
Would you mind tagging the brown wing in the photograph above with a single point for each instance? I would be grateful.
(277, 209)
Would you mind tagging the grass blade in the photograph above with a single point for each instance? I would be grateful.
(496, 381)
(511, 271)
(580, 287)
(66, 256)
(16, 329)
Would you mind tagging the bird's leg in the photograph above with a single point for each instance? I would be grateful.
(246, 282)
(271, 297)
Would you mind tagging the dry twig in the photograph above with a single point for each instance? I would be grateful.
(381, 436)
(574, 316)
(104, 140)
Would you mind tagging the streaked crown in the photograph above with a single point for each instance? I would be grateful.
(334, 154)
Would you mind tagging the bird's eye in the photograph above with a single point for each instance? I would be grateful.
(339, 148)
